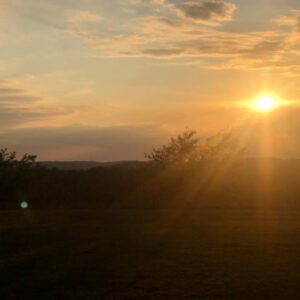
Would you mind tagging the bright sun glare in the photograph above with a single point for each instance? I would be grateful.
(265, 103)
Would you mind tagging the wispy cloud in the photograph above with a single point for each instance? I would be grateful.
(11, 96)
(192, 30)
(82, 16)
(170, 30)
(82, 143)
(292, 20)
(20, 108)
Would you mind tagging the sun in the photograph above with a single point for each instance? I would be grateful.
(266, 103)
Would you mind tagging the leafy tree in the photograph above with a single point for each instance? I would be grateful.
(180, 149)
(219, 147)
(9, 161)
(187, 147)
(14, 173)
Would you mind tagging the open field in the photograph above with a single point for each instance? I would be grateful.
(135, 254)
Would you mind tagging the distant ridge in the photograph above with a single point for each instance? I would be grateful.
(86, 165)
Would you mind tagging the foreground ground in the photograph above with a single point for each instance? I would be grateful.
(132, 254)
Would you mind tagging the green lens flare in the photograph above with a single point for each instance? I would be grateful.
(24, 204)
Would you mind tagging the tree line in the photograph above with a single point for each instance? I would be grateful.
(186, 172)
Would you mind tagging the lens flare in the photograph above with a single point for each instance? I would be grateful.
(24, 205)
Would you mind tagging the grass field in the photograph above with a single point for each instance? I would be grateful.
(134, 254)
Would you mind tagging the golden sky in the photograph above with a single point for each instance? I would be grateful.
(107, 80)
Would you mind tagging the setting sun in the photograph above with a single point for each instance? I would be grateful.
(266, 103)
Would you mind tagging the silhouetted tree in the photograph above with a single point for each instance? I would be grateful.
(219, 147)
(8, 160)
(13, 176)
(187, 147)
(181, 148)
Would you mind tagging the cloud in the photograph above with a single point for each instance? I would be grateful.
(20, 116)
(190, 43)
(210, 12)
(15, 95)
(188, 31)
(264, 49)
(168, 22)
(20, 108)
(188, 36)
(81, 16)
(10, 95)
(85, 143)
(17, 98)
(162, 52)
(292, 20)
(9, 91)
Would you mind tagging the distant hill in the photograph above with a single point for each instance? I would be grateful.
(86, 165)
(290, 164)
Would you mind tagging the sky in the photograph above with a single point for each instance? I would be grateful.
(108, 80)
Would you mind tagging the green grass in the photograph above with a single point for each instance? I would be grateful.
(135, 254)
